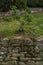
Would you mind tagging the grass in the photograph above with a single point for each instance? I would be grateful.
(10, 27)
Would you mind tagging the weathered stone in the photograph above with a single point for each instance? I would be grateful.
(40, 39)
(1, 58)
(5, 42)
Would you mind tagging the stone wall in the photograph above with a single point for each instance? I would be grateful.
(36, 10)
(17, 51)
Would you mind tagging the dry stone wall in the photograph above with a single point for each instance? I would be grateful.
(19, 51)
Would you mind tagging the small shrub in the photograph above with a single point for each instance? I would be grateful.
(14, 8)
(16, 13)
(27, 17)
(27, 10)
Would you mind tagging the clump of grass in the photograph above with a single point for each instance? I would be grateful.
(7, 19)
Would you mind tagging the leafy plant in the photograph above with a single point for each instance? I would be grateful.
(14, 8)
(16, 13)
(28, 10)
